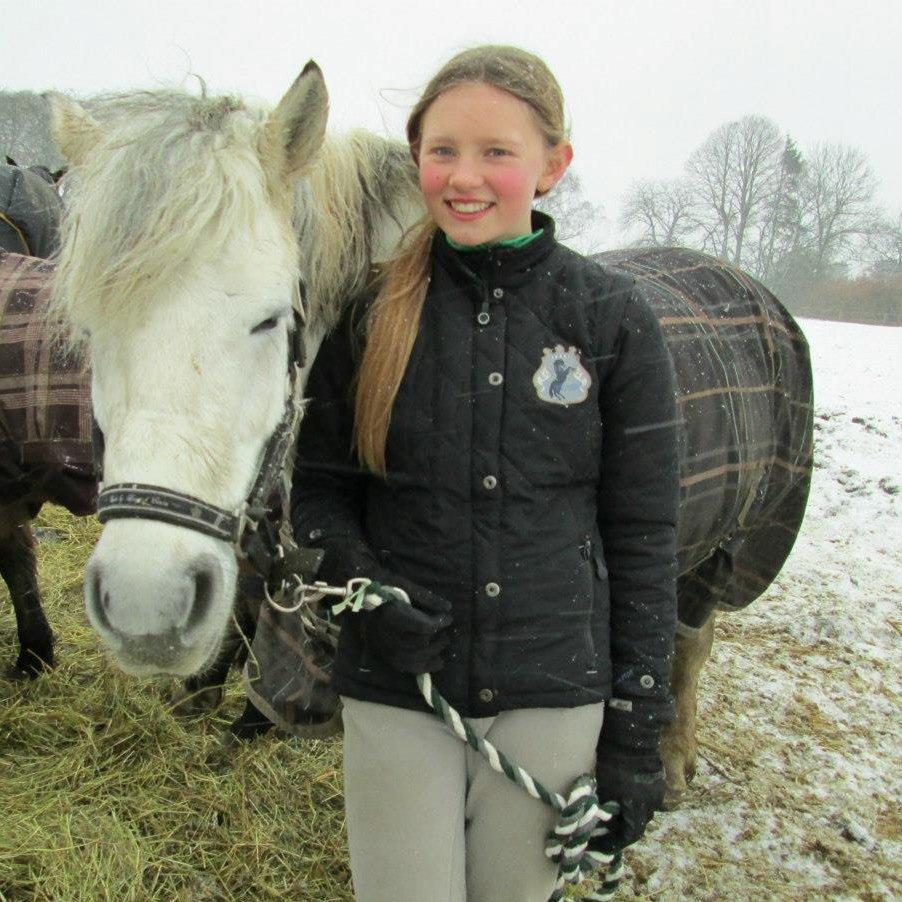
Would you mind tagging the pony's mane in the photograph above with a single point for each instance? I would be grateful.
(357, 202)
(178, 175)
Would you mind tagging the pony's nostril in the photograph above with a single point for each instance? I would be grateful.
(203, 599)
(98, 600)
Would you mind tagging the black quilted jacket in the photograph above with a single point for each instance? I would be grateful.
(532, 481)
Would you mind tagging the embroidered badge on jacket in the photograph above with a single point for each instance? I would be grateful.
(561, 378)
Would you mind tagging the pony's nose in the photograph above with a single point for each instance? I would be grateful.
(185, 603)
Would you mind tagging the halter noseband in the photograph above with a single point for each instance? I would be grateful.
(250, 530)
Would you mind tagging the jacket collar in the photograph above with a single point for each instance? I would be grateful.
(500, 266)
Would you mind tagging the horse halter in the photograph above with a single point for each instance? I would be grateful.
(250, 530)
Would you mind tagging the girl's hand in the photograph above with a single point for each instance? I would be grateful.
(637, 784)
(409, 637)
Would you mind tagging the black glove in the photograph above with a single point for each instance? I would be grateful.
(637, 783)
(629, 770)
(345, 559)
(408, 637)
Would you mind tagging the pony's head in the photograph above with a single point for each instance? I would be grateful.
(179, 268)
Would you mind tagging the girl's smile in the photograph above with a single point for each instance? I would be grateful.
(468, 210)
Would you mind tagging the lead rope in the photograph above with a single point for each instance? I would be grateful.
(581, 816)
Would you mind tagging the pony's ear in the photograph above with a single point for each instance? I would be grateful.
(296, 127)
(75, 131)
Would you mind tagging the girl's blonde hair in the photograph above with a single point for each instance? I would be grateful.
(395, 316)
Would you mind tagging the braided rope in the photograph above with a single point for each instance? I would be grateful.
(581, 817)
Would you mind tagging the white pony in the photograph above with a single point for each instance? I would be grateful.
(189, 225)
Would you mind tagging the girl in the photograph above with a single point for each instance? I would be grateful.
(503, 448)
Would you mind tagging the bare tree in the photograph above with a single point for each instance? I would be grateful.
(660, 210)
(780, 233)
(838, 205)
(732, 175)
(574, 216)
(884, 246)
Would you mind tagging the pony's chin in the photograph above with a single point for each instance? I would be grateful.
(147, 656)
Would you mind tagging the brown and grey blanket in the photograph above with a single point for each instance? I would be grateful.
(744, 394)
(45, 397)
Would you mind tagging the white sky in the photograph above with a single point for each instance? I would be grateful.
(645, 82)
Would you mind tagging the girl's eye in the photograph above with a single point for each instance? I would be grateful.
(497, 152)
(441, 151)
(266, 325)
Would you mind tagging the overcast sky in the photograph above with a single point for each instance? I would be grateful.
(645, 82)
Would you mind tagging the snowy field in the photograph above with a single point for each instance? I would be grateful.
(798, 789)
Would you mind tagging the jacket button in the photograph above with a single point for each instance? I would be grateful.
(489, 482)
(486, 695)
(492, 590)
(646, 681)
(495, 378)
(315, 534)
(498, 293)
(483, 318)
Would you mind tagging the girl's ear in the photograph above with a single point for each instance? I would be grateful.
(559, 158)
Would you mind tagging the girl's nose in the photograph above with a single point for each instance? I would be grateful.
(465, 175)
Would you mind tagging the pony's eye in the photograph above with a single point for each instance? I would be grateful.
(266, 325)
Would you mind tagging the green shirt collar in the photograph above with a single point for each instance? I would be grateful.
(520, 241)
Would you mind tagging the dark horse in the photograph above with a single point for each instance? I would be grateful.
(45, 443)
(744, 393)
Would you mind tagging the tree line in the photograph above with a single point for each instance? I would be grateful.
(803, 223)
(806, 224)
(25, 130)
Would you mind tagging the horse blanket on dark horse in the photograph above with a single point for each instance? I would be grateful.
(744, 393)
(45, 398)
(30, 210)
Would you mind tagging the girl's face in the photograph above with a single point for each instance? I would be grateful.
(482, 158)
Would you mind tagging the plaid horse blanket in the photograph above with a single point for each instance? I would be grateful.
(45, 398)
(744, 394)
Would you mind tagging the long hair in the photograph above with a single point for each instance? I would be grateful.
(395, 316)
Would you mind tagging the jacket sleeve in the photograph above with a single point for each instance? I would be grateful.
(328, 487)
(638, 504)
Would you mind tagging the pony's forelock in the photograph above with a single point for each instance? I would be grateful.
(176, 177)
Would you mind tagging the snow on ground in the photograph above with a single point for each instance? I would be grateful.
(798, 789)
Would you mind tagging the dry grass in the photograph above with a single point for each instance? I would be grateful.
(106, 795)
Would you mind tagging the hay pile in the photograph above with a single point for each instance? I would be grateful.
(105, 795)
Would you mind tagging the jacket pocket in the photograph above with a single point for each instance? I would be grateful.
(589, 582)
